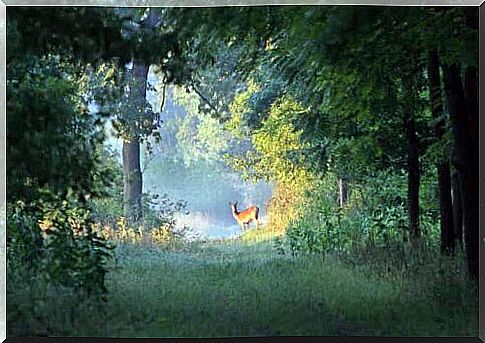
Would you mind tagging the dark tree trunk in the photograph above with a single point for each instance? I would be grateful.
(133, 183)
(472, 177)
(342, 191)
(414, 175)
(464, 118)
(412, 150)
(131, 148)
(446, 209)
(132, 180)
(457, 209)
(444, 178)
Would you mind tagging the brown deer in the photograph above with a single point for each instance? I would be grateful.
(246, 216)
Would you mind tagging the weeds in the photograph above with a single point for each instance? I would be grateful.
(164, 235)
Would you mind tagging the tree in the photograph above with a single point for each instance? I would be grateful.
(55, 149)
(444, 177)
(465, 160)
(156, 44)
(360, 81)
(349, 38)
(459, 66)
(88, 34)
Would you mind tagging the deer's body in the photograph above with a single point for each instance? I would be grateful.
(245, 217)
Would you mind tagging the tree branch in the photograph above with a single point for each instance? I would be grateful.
(202, 96)
(164, 90)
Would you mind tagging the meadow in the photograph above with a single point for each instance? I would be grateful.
(245, 287)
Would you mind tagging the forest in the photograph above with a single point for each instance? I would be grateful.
(242, 171)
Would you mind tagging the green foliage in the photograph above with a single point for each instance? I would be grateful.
(216, 83)
(89, 34)
(374, 216)
(277, 154)
(277, 147)
(133, 115)
(53, 237)
(279, 143)
(108, 207)
(56, 160)
(200, 137)
(102, 86)
(322, 225)
(383, 225)
(52, 139)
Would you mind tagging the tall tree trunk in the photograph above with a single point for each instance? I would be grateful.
(412, 149)
(446, 209)
(342, 191)
(464, 118)
(472, 177)
(444, 178)
(133, 182)
(409, 70)
(457, 209)
(414, 175)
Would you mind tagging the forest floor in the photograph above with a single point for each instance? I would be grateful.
(238, 288)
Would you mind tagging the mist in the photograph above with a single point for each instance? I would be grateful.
(207, 186)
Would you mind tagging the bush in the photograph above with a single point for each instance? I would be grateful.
(283, 207)
(375, 215)
(307, 236)
(53, 257)
(157, 224)
(53, 237)
(157, 227)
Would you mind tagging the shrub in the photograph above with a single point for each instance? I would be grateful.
(158, 226)
(375, 216)
(55, 260)
(53, 237)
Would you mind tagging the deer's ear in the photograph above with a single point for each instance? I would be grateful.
(235, 203)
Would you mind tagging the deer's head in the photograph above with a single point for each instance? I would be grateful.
(233, 206)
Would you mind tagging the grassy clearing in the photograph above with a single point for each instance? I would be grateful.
(245, 288)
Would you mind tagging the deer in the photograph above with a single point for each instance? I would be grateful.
(245, 217)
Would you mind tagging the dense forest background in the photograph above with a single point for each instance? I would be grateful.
(354, 129)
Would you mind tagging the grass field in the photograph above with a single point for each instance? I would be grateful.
(238, 288)
(245, 288)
